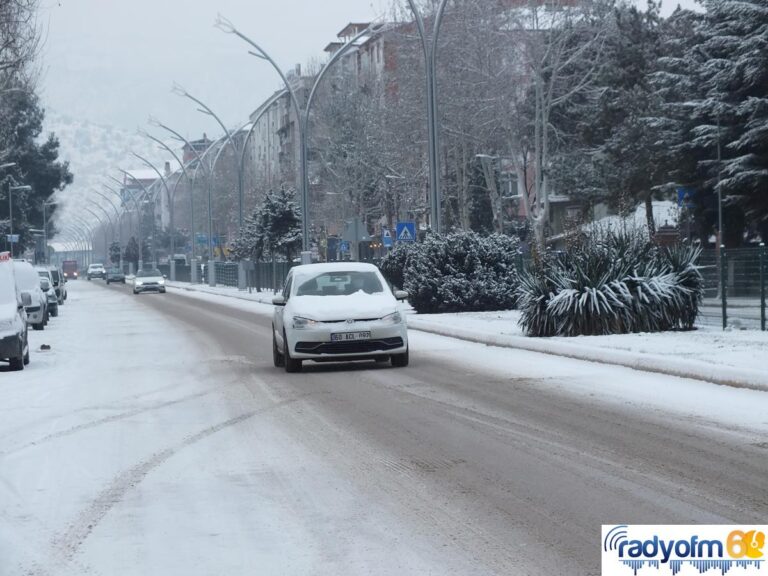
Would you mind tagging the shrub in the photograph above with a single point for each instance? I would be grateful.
(461, 272)
(393, 264)
(615, 282)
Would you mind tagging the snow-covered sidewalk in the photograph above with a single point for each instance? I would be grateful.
(734, 358)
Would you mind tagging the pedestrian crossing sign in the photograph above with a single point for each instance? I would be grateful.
(406, 232)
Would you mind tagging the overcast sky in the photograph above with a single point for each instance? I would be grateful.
(114, 61)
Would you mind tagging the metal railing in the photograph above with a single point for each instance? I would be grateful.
(735, 287)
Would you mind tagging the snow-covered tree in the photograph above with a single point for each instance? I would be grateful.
(273, 230)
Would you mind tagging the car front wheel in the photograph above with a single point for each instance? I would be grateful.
(400, 360)
(291, 365)
(17, 363)
(277, 358)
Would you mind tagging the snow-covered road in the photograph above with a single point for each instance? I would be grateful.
(156, 438)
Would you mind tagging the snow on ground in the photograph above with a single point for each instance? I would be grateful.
(734, 356)
(685, 397)
(614, 385)
(129, 448)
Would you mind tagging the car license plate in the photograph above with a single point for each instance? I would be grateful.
(348, 336)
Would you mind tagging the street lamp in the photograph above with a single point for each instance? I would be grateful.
(11, 190)
(433, 121)
(46, 203)
(301, 114)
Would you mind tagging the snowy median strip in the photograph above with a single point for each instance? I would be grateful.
(739, 355)
(699, 370)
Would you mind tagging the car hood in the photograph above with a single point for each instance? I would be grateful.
(358, 306)
(149, 278)
(8, 311)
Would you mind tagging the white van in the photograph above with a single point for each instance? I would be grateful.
(14, 345)
(27, 280)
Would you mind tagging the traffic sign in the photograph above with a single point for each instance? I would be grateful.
(344, 246)
(386, 238)
(406, 231)
(12, 238)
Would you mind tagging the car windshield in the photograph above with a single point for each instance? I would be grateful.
(42, 273)
(96, 266)
(114, 271)
(340, 284)
(148, 273)
(55, 275)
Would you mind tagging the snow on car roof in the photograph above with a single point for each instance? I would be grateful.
(334, 267)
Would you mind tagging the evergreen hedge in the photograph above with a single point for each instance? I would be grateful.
(458, 272)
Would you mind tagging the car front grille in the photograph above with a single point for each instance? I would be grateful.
(351, 347)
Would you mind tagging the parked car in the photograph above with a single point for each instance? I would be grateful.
(96, 271)
(46, 276)
(149, 280)
(338, 312)
(115, 275)
(27, 280)
(14, 342)
(50, 294)
(59, 283)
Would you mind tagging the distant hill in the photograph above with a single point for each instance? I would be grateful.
(95, 152)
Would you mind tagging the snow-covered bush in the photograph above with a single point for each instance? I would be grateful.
(393, 264)
(462, 272)
(615, 282)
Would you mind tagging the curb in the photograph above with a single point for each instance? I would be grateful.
(722, 375)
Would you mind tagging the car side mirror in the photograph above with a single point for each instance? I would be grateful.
(401, 295)
(278, 301)
(26, 299)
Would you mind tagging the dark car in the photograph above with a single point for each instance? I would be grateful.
(115, 275)
(59, 284)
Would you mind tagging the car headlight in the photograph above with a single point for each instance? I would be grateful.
(139, 282)
(300, 323)
(162, 281)
(392, 319)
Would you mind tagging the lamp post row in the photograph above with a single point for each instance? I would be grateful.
(430, 49)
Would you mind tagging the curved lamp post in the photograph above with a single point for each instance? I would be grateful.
(205, 109)
(201, 164)
(103, 227)
(125, 212)
(301, 114)
(168, 196)
(228, 138)
(172, 197)
(118, 217)
(433, 121)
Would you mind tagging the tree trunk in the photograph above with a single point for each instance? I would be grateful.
(649, 216)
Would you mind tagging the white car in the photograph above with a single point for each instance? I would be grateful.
(149, 280)
(338, 312)
(28, 281)
(96, 271)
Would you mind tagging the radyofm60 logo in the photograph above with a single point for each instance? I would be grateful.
(683, 549)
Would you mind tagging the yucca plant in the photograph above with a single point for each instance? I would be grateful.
(613, 282)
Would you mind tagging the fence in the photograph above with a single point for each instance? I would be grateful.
(735, 287)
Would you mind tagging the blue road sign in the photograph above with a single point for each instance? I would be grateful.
(406, 231)
(386, 238)
(344, 246)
